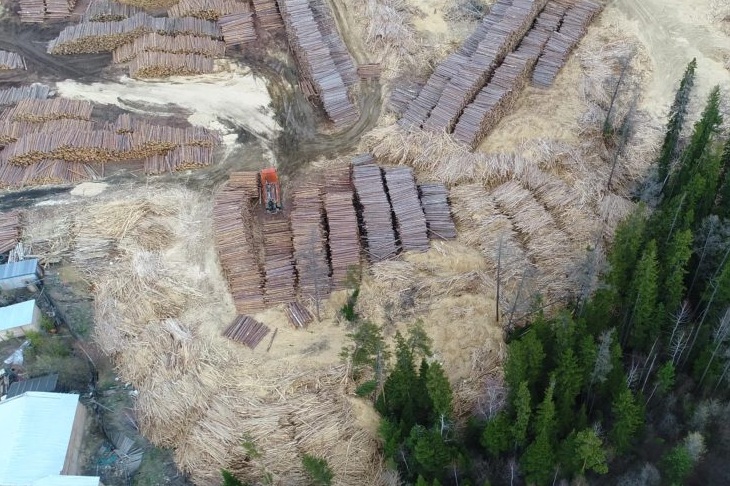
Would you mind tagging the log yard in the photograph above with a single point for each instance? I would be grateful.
(365, 242)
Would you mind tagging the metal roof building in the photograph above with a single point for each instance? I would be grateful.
(41, 440)
(20, 274)
(17, 319)
(45, 383)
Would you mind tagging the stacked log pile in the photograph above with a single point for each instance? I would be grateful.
(267, 13)
(376, 212)
(151, 64)
(298, 315)
(247, 330)
(410, 221)
(237, 29)
(344, 237)
(9, 230)
(561, 43)
(108, 11)
(248, 180)
(11, 131)
(11, 60)
(280, 279)
(92, 37)
(420, 108)
(10, 96)
(232, 230)
(207, 9)
(40, 110)
(338, 50)
(435, 203)
(315, 58)
(464, 86)
(37, 11)
(310, 253)
(178, 44)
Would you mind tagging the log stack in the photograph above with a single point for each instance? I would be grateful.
(410, 221)
(376, 212)
(37, 11)
(319, 63)
(151, 64)
(344, 237)
(280, 279)
(310, 250)
(298, 315)
(11, 60)
(434, 199)
(247, 180)
(237, 29)
(232, 230)
(11, 96)
(9, 230)
(43, 110)
(207, 9)
(173, 44)
(268, 15)
(246, 330)
(108, 11)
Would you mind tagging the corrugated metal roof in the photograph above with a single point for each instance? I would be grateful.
(40, 384)
(67, 481)
(18, 269)
(36, 432)
(16, 315)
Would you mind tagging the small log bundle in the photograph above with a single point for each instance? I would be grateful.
(173, 44)
(207, 9)
(434, 199)
(37, 11)
(234, 240)
(151, 64)
(298, 315)
(237, 29)
(561, 43)
(409, 218)
(267, 13)
(11, 131)
(369, 71)
(376, 212)
(11, 96)
(59, 9)
(9, 230)
(319, 62)
(247, 180)
(11, 60)
(280, 279)
(310, 253)
(44, 172)
(40, 110)
(247, 330)
(108, 11)
(344, 237)
(92, 37)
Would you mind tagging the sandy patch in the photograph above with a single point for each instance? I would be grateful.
(432, 21)
(89, 189)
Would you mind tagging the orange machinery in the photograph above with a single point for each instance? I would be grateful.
(270, 190)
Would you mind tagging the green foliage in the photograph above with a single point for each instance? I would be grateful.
(665, 377)
(431, 452)
(418, 341)
(538, 461)
(568, 383)
(496, 436)
(643, 323)
(722, 204)
(439, 389)
(524, 362)
(366, 389)
(627, 420)
(674, 269)
(229, 479)
(348, 310)
(319, 472)
(676, 465)
(589, 452)
(47, 323)
(523, 409)
(628, 242)
(367, 349)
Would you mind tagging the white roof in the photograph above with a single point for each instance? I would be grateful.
(67, 481)
(36, 433)
(16, 315)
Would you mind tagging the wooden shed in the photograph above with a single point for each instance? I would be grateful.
(17, 319)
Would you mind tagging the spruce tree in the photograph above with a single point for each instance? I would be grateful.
(524, 362)
(643, 324)
(589, 452)
(627, 420)
(722, 201)
(568, 383)
(677, 115)
(523, 409)
(539, 460)
(497, 435)
(439, 391)
(674, 269)
(628, 243)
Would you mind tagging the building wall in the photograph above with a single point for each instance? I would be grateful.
(71, 465)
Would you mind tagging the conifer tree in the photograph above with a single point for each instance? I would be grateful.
(643, 325)
(523, 409)
(568, 383)
(497, 435)
(677, 115)
(524, 361)
(538, 460)
(589, 452)
(627, 420)
(722, 202)
(674, 269)
(628, 243)
(439, 391)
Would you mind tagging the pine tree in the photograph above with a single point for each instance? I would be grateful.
(722, 202)
(677, 114)
(643, 324)
(674, 269)
(419, 342)
(568, 383)
(538, 460)
(589, 452)
(676, 465)
(524, 361)
(627, 420)
(497, 435)
(430, 451)
(545, 420)
(627, 246)
(439, 391)
(368, 346)
(523, 409)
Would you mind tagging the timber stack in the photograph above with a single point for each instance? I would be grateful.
(237, 29)
(38, 11)
(232, 230)
(280, 278)
(207, 9)
(11, 131)
(11, 60)
(409, 218)
(434, 199)
(376, 212)
(9, 230)
(248, 180)
(153, 64)
(108, 11)
(11, 96)
(268, 15)
(39, 111)
(327, 71)
(93, 37)
(310, 251)
(344, 238)
(178, 44)
(246, 330)
(298, 315)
